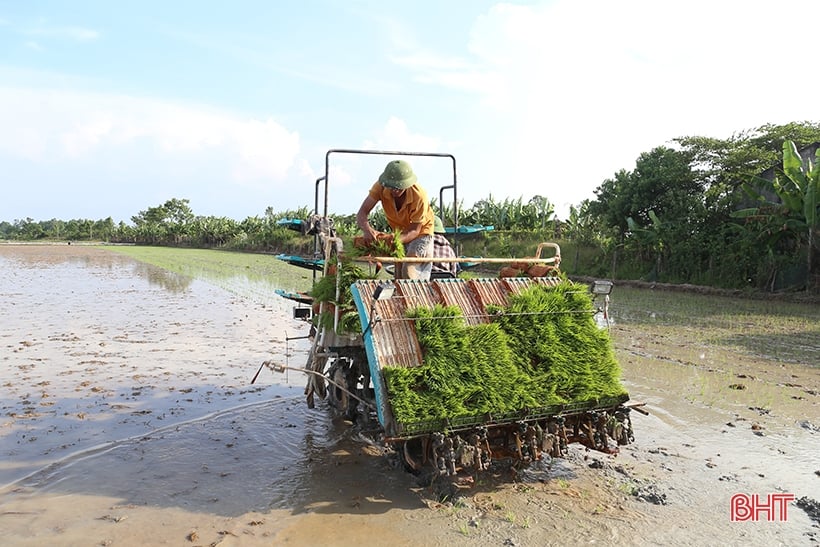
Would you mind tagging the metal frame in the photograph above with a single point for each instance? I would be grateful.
(354, 151)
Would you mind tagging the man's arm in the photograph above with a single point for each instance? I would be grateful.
(413, 231)
(362, 219)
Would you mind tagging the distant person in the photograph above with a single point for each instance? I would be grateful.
(408, 211)
(443, 249)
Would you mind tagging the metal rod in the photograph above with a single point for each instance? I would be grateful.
(316, 212)
(637, 406)
(452, 158)
(555, 259)
(480, 260)
(283, 368)
(255, 376)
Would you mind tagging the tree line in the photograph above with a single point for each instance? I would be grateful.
(736, 212)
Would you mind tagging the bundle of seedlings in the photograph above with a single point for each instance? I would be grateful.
(325, 291)
(543, 349)
(385, 244)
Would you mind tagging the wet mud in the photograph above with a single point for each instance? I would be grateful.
(128, 418)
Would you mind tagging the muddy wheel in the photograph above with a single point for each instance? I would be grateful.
(338, 397)
(412, 456)
(623, 435)
(359, 414)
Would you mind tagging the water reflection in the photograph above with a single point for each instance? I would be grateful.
(159, 277)
(100, 346)
(71, 265)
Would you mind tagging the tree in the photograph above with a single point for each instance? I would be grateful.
(173, 218)
(723, 165)
(104, 228)
(797, 213)
(543, 209)
(8, 230)
(581, 230)
(29, 229)
(661, 182)
(662, 186)
(653, 237)
(610, 206)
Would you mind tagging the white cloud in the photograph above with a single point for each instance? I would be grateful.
(653, 63)
(53, 127)
(571, 92)
(78, 34)
(255, 141)
(395, 135)
(427, 60)
(340, 176)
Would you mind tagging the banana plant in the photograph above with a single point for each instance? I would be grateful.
(651, 236)
(798, 190)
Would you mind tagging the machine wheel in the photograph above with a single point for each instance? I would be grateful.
(415, 454)
(338, 398)
(411, 455)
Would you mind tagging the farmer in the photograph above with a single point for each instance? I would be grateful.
(442, 249)
(407, 210)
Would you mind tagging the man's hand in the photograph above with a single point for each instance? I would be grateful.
(371, 235)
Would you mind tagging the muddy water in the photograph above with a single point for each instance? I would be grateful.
(732, 387)
(97, 347)
(128, 419)
(253, 458)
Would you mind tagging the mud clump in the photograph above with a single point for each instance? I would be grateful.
(808, 426)
(811, 507)
(650, 494)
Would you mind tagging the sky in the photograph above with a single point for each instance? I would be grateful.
(109, 108)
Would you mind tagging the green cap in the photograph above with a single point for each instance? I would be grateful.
(398, 174)
(438, 226)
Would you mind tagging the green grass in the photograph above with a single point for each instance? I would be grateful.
(771, 329)
(234, 271)
(723, 353)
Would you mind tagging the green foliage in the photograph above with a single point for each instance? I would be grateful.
(324, 290)
(695, 192)
(220, 268)
(381, 247)
(661, 182)
(723, 164)
(543, 349)
(708, 230)
(790, 221)
(510, 214)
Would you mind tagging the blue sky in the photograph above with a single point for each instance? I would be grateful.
(108, 108)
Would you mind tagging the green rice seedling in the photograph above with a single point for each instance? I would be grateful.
(325, 291)
(543, 349)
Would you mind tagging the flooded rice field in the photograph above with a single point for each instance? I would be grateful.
(127, 417)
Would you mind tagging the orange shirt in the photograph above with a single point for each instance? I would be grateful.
(416, 208)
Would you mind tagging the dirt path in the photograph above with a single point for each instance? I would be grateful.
(128, 419)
